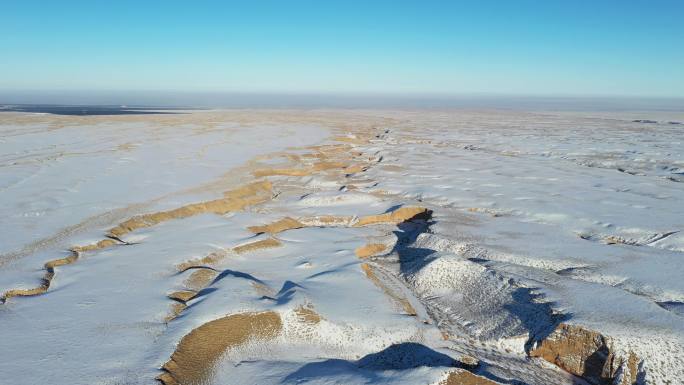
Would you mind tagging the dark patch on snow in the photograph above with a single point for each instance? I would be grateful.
(86, 110)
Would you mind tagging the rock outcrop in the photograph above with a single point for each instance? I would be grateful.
(587, 354)
(463, 377)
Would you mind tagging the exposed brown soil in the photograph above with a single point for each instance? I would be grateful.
(397, 216)
(276, 227)
(392, 168)
(327, 220)
(350, 139)
(199, 351)
(325, 151)
(200, 278)
(179, 305)
(46, 281)
(263, 290)
(463, 377)
(42, 288)
(469, 362)
(281, 172)
(355, 168)
(267, 243)
(370, 250)
(307, 315)
(235, 200)
(328, 165)
(210, 259)
(62, 261)
(485, 210)
(176, 309)
(182, 295)
(107, 242)
(316, 167)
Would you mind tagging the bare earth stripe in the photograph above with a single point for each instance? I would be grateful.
(234, 200)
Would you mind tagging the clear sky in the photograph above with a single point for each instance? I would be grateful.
(543, 47)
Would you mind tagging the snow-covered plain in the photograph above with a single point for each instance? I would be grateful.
(535, 220)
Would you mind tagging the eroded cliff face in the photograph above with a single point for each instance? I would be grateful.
(588, 354)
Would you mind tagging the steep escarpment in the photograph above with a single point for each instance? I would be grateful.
(588, 354)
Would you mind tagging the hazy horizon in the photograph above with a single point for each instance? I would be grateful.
(339, 100)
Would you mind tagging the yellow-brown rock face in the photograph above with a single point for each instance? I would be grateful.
(587, 354)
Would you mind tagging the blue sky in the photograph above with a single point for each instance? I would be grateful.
(578, 47)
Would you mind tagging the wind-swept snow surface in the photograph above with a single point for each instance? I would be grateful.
(355, 247)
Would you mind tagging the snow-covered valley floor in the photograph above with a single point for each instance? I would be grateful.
(342, 247)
